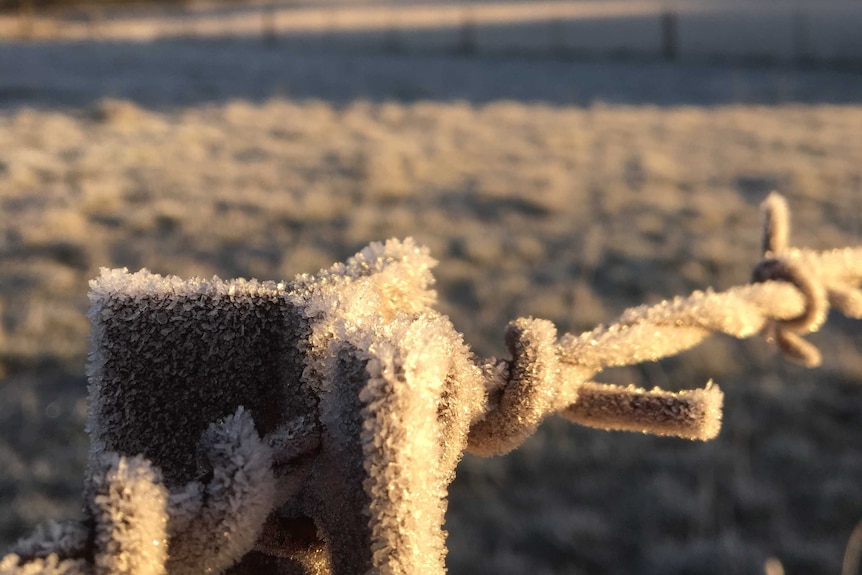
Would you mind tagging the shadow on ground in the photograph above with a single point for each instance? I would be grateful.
(175, 73)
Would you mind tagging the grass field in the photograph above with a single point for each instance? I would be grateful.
(567, 191)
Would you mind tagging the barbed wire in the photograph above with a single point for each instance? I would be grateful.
(791, 296)
(341, 464)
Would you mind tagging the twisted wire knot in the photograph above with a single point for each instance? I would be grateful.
(783, 264)
(785, 332)
(775, 267)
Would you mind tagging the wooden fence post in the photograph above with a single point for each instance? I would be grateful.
(669, 39)
(802, 53)
(25, 19)
(559, 49)
(392, 40)
(268, 25)
(467, 36)
(95, 16)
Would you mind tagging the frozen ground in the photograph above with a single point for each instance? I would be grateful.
(173, 74)
(563, 190)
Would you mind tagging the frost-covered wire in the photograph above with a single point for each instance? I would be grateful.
(793, 292)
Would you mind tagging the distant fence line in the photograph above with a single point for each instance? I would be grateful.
(652, 28)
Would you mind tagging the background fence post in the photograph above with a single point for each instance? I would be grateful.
(95, 16)
(392, 40)
(269, 30)
(669, 37)
(559, 49)
(330, 34)
(467, 36)
(802, 53)
(25, 19)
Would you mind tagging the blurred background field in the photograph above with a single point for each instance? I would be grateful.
(564, 187)
(803, 31)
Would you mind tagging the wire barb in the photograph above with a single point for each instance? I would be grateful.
(810, 275)
(691, 414)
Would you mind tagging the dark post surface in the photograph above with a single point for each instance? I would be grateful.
(167, 367)
(669, 35)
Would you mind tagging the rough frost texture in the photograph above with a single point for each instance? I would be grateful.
(214, 525)
(169, 357)
(129, 506)
(390, 371)
(51, 565)
(694, 414)
(407, 371)
(67, 538)
(314, 427)
(533, 390)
